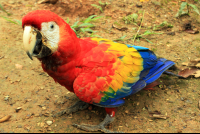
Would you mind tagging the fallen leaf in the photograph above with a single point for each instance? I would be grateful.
(198, 65)
(197, 74)
(188, 72)
(192, 31)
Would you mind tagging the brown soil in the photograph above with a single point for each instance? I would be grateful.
(25, 85)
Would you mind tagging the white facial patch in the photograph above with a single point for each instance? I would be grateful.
(51, 31)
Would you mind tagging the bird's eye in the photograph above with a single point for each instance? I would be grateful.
(52, 26)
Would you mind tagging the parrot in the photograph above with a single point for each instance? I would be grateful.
(98, 71)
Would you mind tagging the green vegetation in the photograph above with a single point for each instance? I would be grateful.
(101, 5)
(121, 38)
(130, 18)
(163, 25)
(138, 36)
(97, 6)
(85, 25)
(18, 22)
(184, 11)
(4, 10)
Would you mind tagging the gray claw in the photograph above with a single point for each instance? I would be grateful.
(100, 127)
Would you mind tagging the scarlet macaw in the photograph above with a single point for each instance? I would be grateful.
(99, 71)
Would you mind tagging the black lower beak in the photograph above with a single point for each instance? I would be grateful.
(40, 50)
(29, 55)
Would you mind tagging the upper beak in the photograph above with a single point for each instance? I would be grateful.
(33, 43)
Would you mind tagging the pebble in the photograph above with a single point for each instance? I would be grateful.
(182, 98)
(6, 97)
(17, 109)
(44, 108)
(18, 66)
(49, 122)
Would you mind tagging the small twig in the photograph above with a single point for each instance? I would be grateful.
(5, 118)
(159, 116)
(2, 57)
(139, 28)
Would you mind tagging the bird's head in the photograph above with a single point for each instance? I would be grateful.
(46, 33)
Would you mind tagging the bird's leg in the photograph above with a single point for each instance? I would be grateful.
(79, 105)
(101, 127)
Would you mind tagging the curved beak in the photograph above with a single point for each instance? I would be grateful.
(33, 44)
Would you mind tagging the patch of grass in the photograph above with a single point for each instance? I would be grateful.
(163, 25)
(138, 36)
(85, 25)
(4, 10)
(130, 18)
(18, 22)
(120, 39)
(141, 36)
(97, 6)
(101, 5)
(183, 6)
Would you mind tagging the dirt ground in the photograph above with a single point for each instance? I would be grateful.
(31, 97)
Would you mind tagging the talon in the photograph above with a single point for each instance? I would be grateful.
(100, 127)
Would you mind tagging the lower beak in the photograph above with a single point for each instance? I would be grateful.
(32, 40)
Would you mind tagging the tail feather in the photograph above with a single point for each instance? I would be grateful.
(153, 74)
(157, 71)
